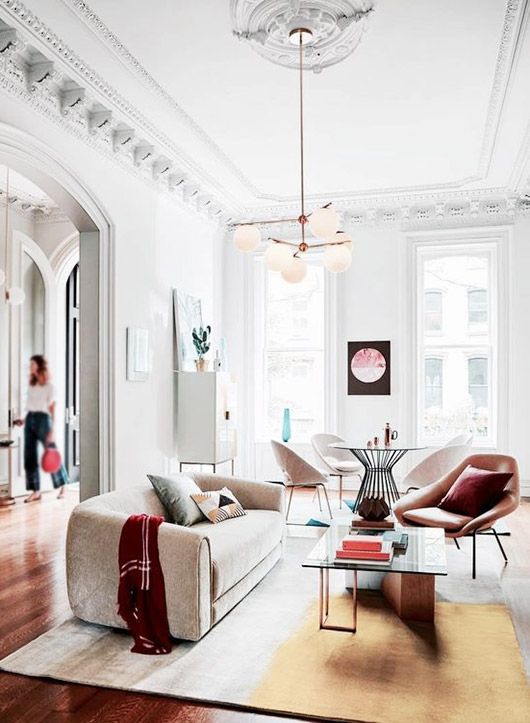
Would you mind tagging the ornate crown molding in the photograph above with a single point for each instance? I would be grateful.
(514, 19)
(491, 206)
(337, 27)
(28, 205)
(94, 111)
(104, 34)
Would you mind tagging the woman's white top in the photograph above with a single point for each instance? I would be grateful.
(40, 397)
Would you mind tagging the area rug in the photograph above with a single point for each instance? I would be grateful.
(268, 655)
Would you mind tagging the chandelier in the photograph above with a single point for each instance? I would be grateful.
(288, 257)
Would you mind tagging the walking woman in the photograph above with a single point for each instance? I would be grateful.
(40, 409)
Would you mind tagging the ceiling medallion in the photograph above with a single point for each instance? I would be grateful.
(335, 27)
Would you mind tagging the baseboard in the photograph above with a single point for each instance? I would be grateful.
(525, 488)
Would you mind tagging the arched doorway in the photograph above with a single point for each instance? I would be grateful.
(30, 157)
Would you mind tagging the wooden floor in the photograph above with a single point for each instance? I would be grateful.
(33, 600)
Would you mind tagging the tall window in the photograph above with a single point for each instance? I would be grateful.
(456, 387)
(290, 351)
(477, 307)
(433, 311)
(433, 383)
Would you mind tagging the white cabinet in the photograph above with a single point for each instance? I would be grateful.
(206, 409)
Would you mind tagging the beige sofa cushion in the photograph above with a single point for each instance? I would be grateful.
(436, 517)
(238, 545)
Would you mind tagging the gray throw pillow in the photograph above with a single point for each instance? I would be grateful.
(174, 493)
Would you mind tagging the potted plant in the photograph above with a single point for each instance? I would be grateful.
(201, 342)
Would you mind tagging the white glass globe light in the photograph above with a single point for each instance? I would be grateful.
(278, 256)
(344, 239)
(324, 222)
(16, 296)
(2, 276)
(247, 237)
(295, 271)
(337, 258)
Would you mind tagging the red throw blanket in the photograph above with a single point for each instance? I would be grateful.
(141, 591)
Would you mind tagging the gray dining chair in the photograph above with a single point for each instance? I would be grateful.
(299, 473)
(435, 466)
(466, 438)
(339, 462)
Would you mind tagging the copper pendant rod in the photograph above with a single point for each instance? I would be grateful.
(302, 189)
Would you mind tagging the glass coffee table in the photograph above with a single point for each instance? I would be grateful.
(408, 584)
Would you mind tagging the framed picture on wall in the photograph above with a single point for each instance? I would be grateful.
(368, 367)
(187, 314)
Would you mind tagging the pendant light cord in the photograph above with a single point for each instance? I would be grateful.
(302, 190)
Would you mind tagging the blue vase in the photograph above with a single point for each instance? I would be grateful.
(286, 429)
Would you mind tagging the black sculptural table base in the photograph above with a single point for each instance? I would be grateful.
(378, 480)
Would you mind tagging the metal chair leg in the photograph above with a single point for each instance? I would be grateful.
(474, 569)
(319, 500)
(456, 543)
(499, 543)
(327, 500)
(289, 504)
(340, 492)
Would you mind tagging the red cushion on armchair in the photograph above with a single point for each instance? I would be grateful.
(475, 491)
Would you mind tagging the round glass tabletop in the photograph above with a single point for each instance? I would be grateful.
(395, 446)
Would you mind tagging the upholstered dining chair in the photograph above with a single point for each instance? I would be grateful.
(338, 462)
(299, 473)
(434, 466)
(466, 438)
(420, 508)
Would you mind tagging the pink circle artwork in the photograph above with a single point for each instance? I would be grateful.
(368, 365)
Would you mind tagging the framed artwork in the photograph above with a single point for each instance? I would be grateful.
(137, 354)
(187, 314)
(368, 367)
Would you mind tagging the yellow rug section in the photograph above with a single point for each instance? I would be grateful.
(464, 668)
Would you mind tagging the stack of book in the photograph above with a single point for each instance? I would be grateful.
(366, 549)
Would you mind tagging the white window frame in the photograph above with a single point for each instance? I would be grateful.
(259, 271)
(496, 242)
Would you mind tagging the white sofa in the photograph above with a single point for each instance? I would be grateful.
(207, 568)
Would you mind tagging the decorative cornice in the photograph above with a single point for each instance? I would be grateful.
(104, 34)
(514, 19)
(74, 100)
(122, 133)
(27, 204)
(443, 210)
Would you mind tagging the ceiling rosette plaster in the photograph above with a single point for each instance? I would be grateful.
(337, 27)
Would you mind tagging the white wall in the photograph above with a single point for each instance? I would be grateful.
(159, 244)
(372, 304)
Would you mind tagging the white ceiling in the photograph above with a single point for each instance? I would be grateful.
(415, 106)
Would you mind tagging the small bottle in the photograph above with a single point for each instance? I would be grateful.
(217, 361)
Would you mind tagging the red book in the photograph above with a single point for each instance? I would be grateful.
(363, 555)
(362, 542)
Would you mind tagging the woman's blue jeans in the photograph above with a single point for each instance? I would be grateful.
(37, 426)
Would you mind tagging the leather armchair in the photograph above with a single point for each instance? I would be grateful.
(420, 507)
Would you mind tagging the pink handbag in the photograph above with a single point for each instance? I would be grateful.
(51, 460)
